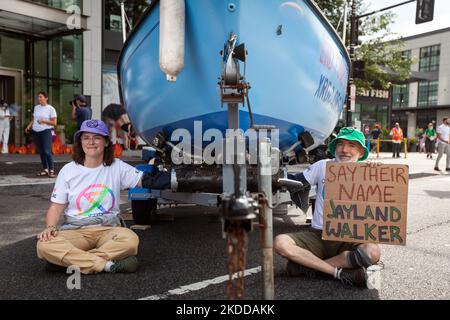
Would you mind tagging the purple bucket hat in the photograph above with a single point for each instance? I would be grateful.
(93, 126)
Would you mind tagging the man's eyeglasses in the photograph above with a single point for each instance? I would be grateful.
(95, 139)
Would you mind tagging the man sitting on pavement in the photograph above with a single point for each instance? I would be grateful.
(306, 252)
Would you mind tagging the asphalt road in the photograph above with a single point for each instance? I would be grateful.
(185, 258)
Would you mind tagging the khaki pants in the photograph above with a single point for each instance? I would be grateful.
(89, 248)
(443, 149)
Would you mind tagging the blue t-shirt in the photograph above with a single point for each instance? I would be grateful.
(83, 114)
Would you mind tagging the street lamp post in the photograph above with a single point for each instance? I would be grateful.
(353, 40)
(124, 22)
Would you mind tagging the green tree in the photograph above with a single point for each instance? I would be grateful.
(384, 61)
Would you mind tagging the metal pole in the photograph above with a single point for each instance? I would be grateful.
(391, 101)
(265, 186)
(344, 32)
(234, 174)
(353, 36)
(387, 8)
(124, 22)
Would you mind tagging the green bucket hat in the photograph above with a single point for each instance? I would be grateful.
(350, 134)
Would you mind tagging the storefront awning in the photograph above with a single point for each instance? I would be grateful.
(38, 20)
(415, 76)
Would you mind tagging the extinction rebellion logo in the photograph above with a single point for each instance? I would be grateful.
(98, 197)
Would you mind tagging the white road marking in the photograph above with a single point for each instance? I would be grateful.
(199, 285)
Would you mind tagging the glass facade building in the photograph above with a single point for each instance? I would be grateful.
(60, 4)
(51, 65)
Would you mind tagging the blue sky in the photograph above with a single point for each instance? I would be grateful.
(404, 23)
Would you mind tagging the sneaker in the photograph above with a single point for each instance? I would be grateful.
(354, 277)
(127, 265)
(296, 270)
(447, 169)
(437, 169)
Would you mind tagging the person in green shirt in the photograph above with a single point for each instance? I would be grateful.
(430, 134)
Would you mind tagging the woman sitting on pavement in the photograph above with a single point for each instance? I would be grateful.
(87, 190)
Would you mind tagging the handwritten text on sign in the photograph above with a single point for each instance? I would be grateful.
(365, 204)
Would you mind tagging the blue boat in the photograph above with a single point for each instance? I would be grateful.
(296, 65)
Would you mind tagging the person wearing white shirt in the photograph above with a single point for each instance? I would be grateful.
(5, 117)
(307, 253)
(87, 194)
(43, 121)
(443, 138)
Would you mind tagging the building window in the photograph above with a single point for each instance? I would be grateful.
(400, 96)
(428, 94)
(370, 114)
(12, 52)
(134, 10)
(429, 58)
(405, 54)
(60, 4)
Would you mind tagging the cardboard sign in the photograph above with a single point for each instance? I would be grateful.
(365, 204)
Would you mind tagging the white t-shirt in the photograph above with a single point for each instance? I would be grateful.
(4, 113)
(315, 175)
(444, 131)
(43, 113)
(93, 192)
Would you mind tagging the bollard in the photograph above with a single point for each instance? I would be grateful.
(378, 148)
(405, 141)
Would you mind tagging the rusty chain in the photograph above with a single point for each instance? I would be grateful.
(236, 251)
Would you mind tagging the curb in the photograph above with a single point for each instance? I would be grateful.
(21, 189)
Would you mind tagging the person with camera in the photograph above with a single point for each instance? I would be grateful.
(81, 111)
(5, 118)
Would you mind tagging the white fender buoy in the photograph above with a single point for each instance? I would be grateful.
(171, 37)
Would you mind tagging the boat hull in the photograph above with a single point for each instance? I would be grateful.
(296, 65)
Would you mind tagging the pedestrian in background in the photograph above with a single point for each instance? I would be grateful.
(397, 137)
(420, 135)
(43, 121)
(430, 140)
(375, 133)
(443, 137)
(367, 135)
(5, 118)
(81, 111)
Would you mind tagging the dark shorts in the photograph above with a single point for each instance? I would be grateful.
(311, 240)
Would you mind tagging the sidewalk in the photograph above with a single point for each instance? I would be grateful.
(418, 163)
(18, 172)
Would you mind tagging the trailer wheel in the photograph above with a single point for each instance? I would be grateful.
(144, 211)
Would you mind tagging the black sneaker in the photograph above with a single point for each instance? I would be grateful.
(447, 169)
(296, 270)
(437, 169)
(127, 265)
(354, 277)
